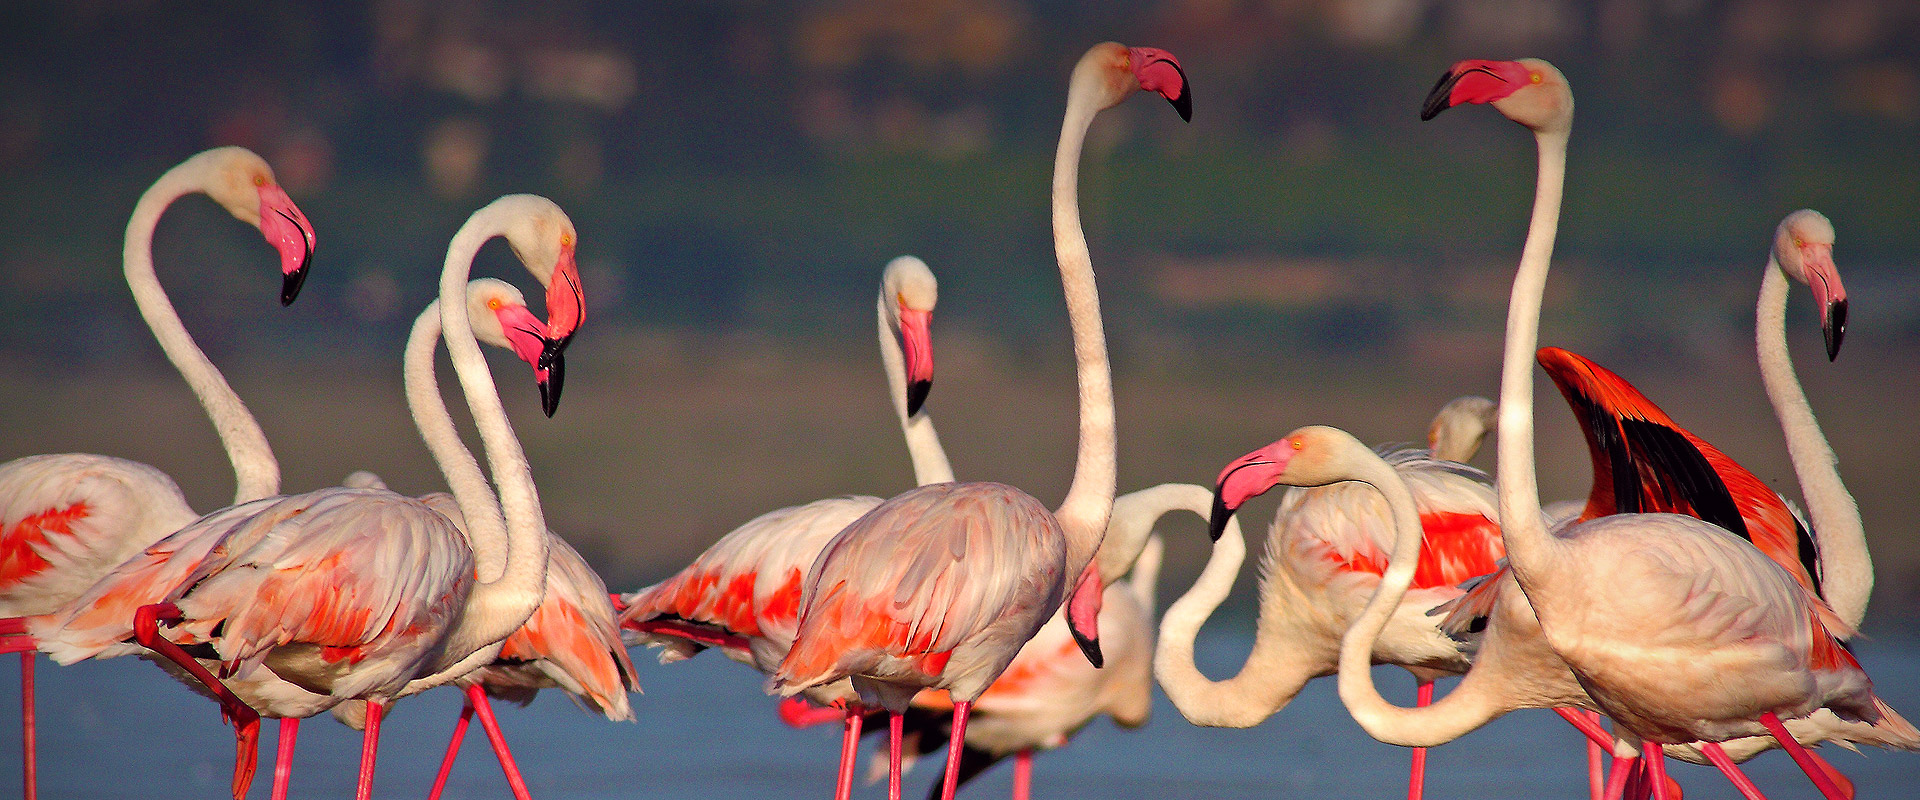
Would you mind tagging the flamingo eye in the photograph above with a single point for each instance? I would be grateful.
(1294, 443)
(494, 304)
(566, 240)
(1535, 77)
(259, 180)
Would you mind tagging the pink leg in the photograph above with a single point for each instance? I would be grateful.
(1802, 757)
(1717, 756)
(798, 713)
(896, 726)
(1656, 762)
(29, 746)
(1596, 778)
(369, 747)
(849, 748)
(956, 740)
(1833, 773)
(1589, 725)
(1417, 778)
(453, 750)
(246, 721)
(1617, 777)
(1023, 775)
(283, 756)
(517, 784)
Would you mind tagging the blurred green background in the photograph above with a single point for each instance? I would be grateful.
(1305, 251)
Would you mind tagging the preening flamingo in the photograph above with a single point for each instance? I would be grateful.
(1679, 630)
(66, 519)
(894, 602)
(1325, 553)
(305, 601)
(743, 593)
(1459, 427)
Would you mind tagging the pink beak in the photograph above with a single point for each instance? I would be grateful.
(1083, 613)
(916, 341)
(288, 230)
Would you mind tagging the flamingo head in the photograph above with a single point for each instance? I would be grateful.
(544, 240)
(1528, 91)
(243, 184)
(1118, 71)
(500, 317)
(1803, 247)
(908, 292)
(1310, 456)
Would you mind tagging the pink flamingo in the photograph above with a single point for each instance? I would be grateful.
(1677, 629)
(289, 597)
(894, 602)
(743, 594)
(1326, 551)
(66, 519)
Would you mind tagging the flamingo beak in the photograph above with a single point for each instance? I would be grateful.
(1245, 478)
(1083, 614)
(551, 373)
(1473, 81)
(1159, 72)
(1831, 295)
(1217, 521)
(1834, 326)
(916, 341)
(288, 230)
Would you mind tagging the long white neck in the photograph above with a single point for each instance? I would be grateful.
(1528, 546)
(923, 443)
(1089, 501)
(1464, 709)
(256, 473)
(1283, 659)
(469, 484)
(1846, 569)
(497, 607)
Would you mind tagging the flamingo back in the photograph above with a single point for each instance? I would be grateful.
(747, 585)
(940, 567)
(1346, 529)
(572, 642)
(67, 519)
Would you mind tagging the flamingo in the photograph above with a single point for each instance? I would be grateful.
(1325, 554)
(894, 602)
(1677, 629)
(1459, 427)
(299, 584)
(721, 599)
(66, 519)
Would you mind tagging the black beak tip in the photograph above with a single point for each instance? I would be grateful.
(1836, 328)
(1217, 521)
(290, 284)
(917, 395)
(1440, 98)
(1090, 648)
(1184, 103)
(556, 365)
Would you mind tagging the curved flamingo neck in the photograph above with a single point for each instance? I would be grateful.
(1469, 705)
(1846, 568)
(1089, 501)
(497, 607)
(1529, 548)
(930, 463)
(456, 462)
(1284, 655)
(256, 472)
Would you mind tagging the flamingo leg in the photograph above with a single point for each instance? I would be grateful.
(896, 727)
(1833, 772)
(1417, 777)
(798, 713)
(478, 698)
(1802, 757)
(246, 721)
(453, 749)
(1589, 725)
(369, 747)
(1617, 776)
(1023, 775)
(1596, 777)
(1717, 756)
(956, 741)
(849, 748)
(283, 756)
(1656, 762)
(29, 745)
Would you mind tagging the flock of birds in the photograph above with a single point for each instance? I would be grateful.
(1686, 602)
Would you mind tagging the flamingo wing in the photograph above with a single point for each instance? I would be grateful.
(67, 519)
(572, 641)
(1347, 528)
(1645, 462)
(921, 574)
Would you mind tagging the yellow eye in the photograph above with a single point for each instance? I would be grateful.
(1294, 443)
(494, 304)
(1797, 242)
(259, 180)
(1535, 77)
(566, 240)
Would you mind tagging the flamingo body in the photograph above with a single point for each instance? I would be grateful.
(66, 519)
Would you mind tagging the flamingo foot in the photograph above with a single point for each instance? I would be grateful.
(245, 721)
(453, 750)
(798, 713)
(477, 697)
(246, 757)
(1803, 758)
(13, 626)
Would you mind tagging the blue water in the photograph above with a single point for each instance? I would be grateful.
(122, 729)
